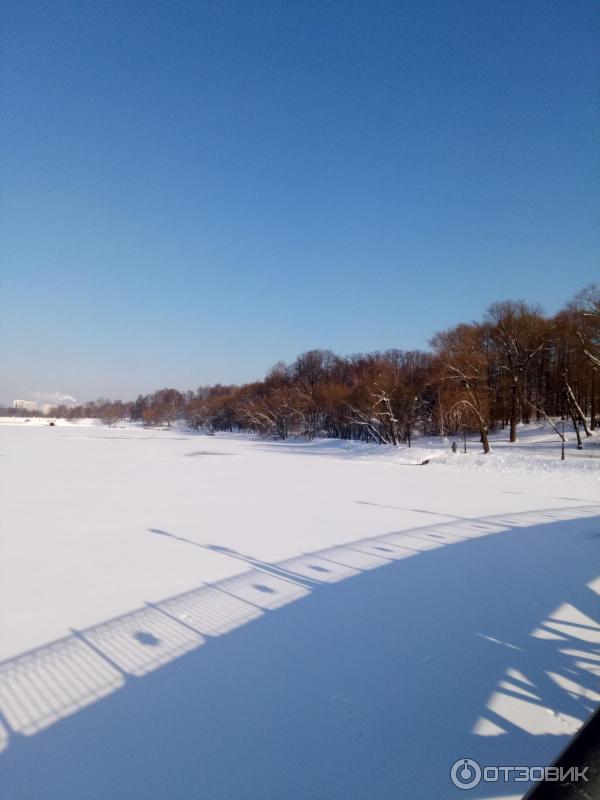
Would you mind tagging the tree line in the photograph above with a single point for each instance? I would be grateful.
(514, 365)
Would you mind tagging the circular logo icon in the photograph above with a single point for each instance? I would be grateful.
(465, 773)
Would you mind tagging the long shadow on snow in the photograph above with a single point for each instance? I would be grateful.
(365, 689)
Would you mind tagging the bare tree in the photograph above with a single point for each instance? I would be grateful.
(464, 365)
(519, 332)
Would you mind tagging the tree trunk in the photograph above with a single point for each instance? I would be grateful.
(541, 412)
(484, 438)
(513, 412)
(593, 401)
(576, 426)
(576, 409)
(575, 421)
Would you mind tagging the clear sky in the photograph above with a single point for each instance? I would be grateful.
(192, 191)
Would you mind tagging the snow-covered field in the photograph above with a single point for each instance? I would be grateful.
(185, 616)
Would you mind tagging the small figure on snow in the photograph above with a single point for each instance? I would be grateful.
(454, 447)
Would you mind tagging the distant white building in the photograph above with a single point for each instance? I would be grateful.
(26, 405)
(33, 405)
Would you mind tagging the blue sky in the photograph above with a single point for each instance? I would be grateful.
(193, 191)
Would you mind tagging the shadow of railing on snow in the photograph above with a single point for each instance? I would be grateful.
(51, 682)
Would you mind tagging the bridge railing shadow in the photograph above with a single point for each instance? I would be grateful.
(48, 683)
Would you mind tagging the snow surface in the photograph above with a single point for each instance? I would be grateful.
(185, 616)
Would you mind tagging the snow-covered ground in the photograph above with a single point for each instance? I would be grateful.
(185, 616)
